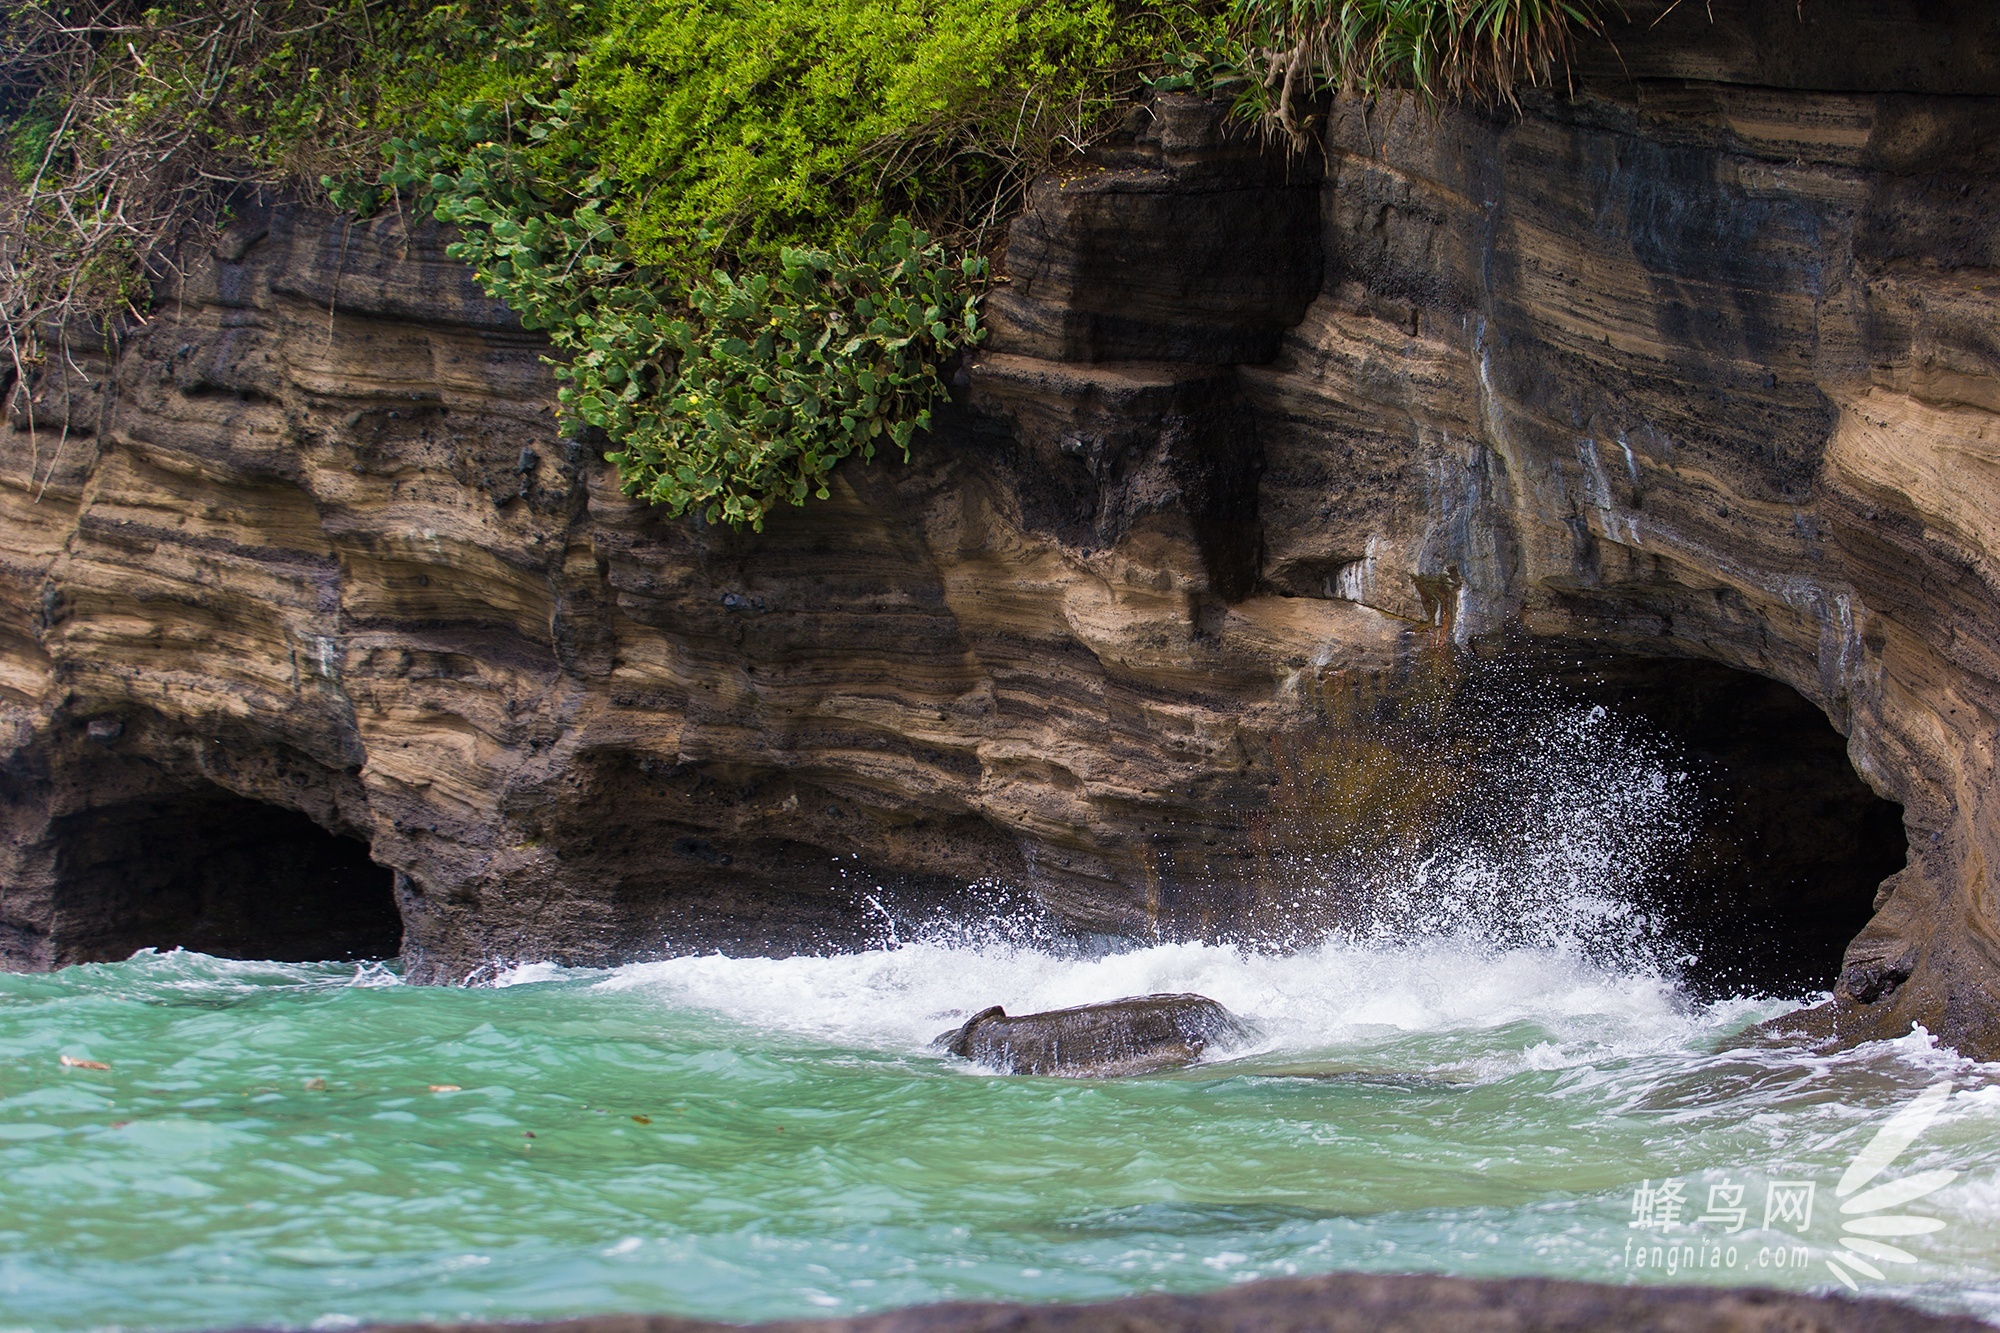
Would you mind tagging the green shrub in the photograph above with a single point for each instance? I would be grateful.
(719, 214)
(743, 391)
(752, 124)
(753, 229)
(781, 378)
(716, 209)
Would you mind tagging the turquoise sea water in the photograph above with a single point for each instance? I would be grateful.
(276, 1144)
(1481, 1077)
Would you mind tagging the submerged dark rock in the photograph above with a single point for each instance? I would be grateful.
(1143, 1034)
(1350, 1303)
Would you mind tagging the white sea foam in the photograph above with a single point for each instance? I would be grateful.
(1535, 914)
(1339, 995)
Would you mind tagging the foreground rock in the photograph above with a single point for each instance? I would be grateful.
(1352, 1303)
(1144, 1034)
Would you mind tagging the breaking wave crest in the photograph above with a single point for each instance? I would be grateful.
(1536, 907)
(1337, 996)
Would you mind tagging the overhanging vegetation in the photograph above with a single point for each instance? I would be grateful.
(754, 230)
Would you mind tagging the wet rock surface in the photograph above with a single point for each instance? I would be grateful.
(1353, 1303)
(1697, 362)
(1143, 1034)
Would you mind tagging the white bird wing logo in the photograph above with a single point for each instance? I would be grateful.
(1865, 1212)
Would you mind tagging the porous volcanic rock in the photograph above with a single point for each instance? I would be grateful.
(1696, 360)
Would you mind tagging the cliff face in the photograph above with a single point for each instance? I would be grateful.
(1698, 363)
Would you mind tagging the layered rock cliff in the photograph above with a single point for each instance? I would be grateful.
(1693, 363)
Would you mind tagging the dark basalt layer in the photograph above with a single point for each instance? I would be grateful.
(1696, 363)
(1348, 1303)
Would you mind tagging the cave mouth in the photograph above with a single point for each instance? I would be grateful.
(1790, 845)
(220, 874)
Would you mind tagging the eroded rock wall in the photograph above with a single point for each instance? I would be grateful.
(317, 542)
(1698, 361)
(1704, 365)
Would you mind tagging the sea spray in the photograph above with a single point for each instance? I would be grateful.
(1340, 992)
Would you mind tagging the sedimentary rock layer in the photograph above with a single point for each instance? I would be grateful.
(1696, 360)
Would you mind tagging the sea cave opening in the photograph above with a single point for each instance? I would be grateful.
(1669, 814)
(211, 871)
(1785, 845)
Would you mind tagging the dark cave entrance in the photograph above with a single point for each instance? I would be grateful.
(1791, 845)
(1656, 812)
(211, 871)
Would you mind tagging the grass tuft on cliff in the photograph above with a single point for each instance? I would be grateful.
(1296, 51)
(754, 230)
